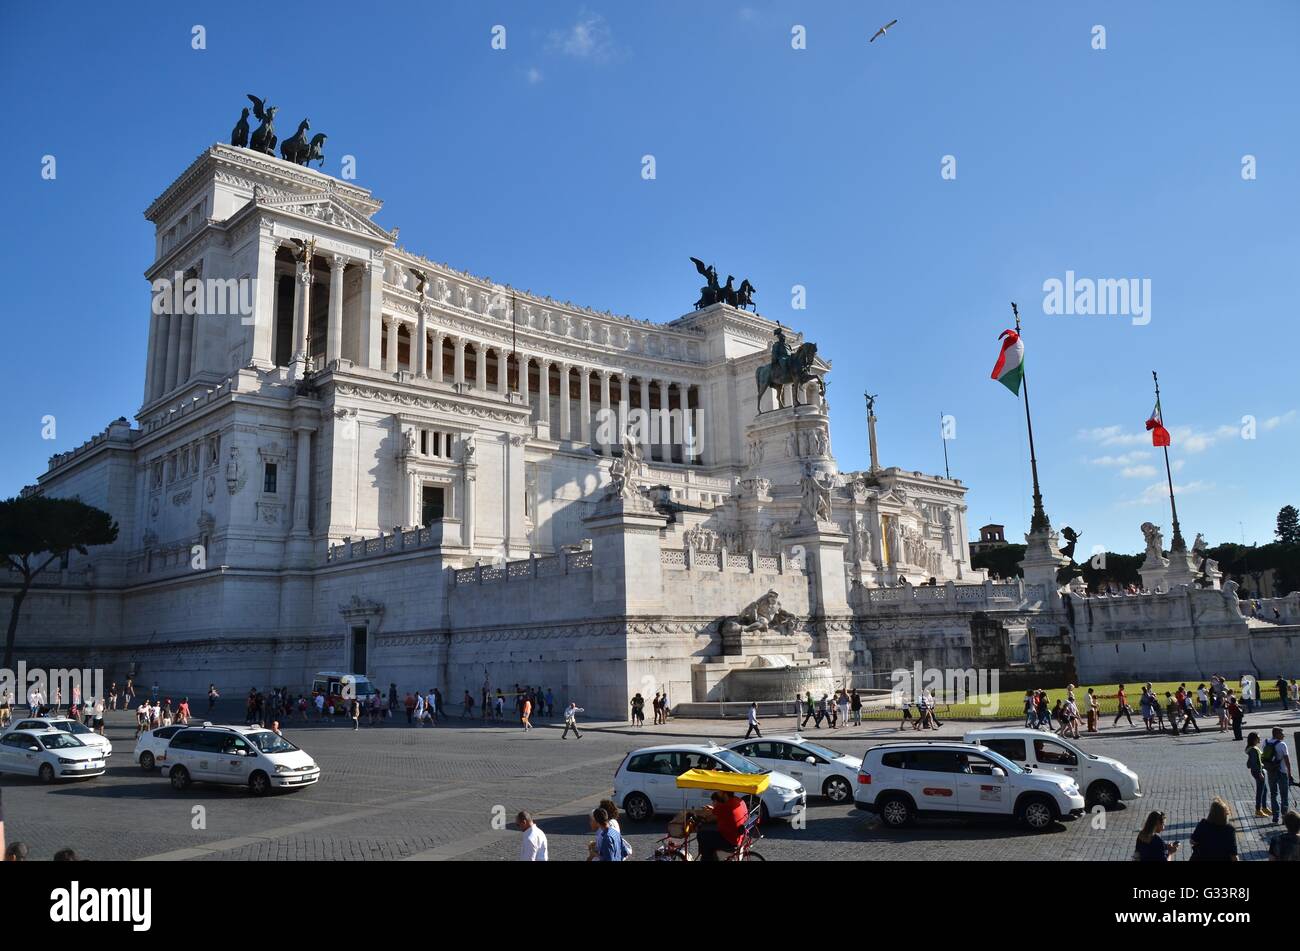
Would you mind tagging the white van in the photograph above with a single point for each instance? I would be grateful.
(1105, 782)
(236, 755)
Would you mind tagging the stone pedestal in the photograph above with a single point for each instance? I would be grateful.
(782, 441)
(1042, 560)
(625, 561)
(1154, 573)
(1182, 569)
(823, 544)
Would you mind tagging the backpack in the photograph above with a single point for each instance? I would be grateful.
(1269, 756)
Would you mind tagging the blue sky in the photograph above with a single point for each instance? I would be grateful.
(818, 167)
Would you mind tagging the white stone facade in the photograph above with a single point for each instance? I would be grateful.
(381, 462)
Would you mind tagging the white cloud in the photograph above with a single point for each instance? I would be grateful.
(1123, 459)
(1138, 472)
(1273, 422)
(589, 38)
(534, 75)
(1159, 492)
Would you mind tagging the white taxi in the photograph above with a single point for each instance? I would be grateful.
(646, 781)
(817, 767)
(1105, 782)
(49, 755)
(901, 781)
(236, 755)
(65, 725)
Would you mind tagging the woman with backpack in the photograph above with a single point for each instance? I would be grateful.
(1256, 768)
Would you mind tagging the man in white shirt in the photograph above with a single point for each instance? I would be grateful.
(533, 846)
(571, 719)
(753, 721)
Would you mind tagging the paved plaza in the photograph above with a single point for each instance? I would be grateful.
(395, 792)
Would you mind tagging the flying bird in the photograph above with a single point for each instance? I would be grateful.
(881, 32)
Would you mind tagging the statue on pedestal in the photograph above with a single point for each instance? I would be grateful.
(787, 367)
(1155, 544)
(815, 505)
(264, 138)
(763, 616)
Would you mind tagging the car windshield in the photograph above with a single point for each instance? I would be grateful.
(269, 742)
(1011, 768)
(823, 751)
(73, 727)
(736, 761)
(60, 741)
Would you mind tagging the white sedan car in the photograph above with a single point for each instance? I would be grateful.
(818, 768)
(151, 744)
(49, 755)
(65, 725)
(646, 781)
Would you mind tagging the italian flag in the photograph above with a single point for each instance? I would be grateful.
(1010, 368)
(1156, 426)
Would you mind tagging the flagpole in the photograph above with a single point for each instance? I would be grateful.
(1177, 543)
(1039, 521)
(944, 438)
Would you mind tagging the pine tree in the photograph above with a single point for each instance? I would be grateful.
(1288, 525)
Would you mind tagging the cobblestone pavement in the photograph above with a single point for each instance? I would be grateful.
(396, 792)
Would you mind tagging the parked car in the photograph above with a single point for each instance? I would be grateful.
(901, 781)
(65, 725)
(49, 754)
(646, 781)
(1105, 782)
(817, 767)
(236, 755)
(152, 743)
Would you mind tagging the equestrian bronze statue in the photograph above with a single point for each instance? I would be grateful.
(786, 366)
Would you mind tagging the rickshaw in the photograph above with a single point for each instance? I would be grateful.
(676, 845)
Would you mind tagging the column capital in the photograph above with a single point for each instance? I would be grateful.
(339, 261)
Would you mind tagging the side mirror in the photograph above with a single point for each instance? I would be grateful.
(999, 772)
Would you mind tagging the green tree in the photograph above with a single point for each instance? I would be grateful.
(36, 531)
(1288, 525)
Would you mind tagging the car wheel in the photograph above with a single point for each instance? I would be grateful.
(1038, 813)
(180, 778)
(896, 812)
(146, 760)
(837, 789)
(638, 807)
(46, 773)
(1103, 793)
(259, 784)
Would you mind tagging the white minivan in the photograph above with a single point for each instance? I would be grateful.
(236, 755)
(1105, 782)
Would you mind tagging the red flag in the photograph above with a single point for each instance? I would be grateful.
(1156, 426)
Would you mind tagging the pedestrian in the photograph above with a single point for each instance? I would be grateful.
(1282, 691)
(1277, 766)
(1248, 687)
(16, 852)
(809, 709)
(571, 719)
(468, 704)
(438, 709)
(1090, 702)
(638, 709)
(183, 711)
(1124, 709)
(1286, 847)
(1031, 718)
(550, 704)
(1150, 847)
(610, 846)
(1214, 839)
(99, 716)
(822, 713)
(1255, 766)
(526, 713)
(409, 705)
(753, 722)
(532, 846)
(1236, 715)
(1203, 696)
(844, 707)
(355, 712)
(1295, 694)
(392, 698)
(855, 704)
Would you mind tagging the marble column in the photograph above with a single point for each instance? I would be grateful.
(688, 428)
(544, 394)
(185, 351)
(565, 420)
(419, 360)
(267, 302)
(645, 416)
(665, 424)
(624, 407)
(370, 326)
(523, 380)
(480, 366)
(173, 350)
(603, 418)
(708, 456)
(390, 335)
(584, 404)
(435, 361)
(157, 339)
(459, 373)
(503, 371)
(334, 331)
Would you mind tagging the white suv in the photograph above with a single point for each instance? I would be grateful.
(236, 755)
(900, 781)
(646, 781)
(1105, 782)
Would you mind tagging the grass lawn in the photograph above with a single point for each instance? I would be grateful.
(1010, 704)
